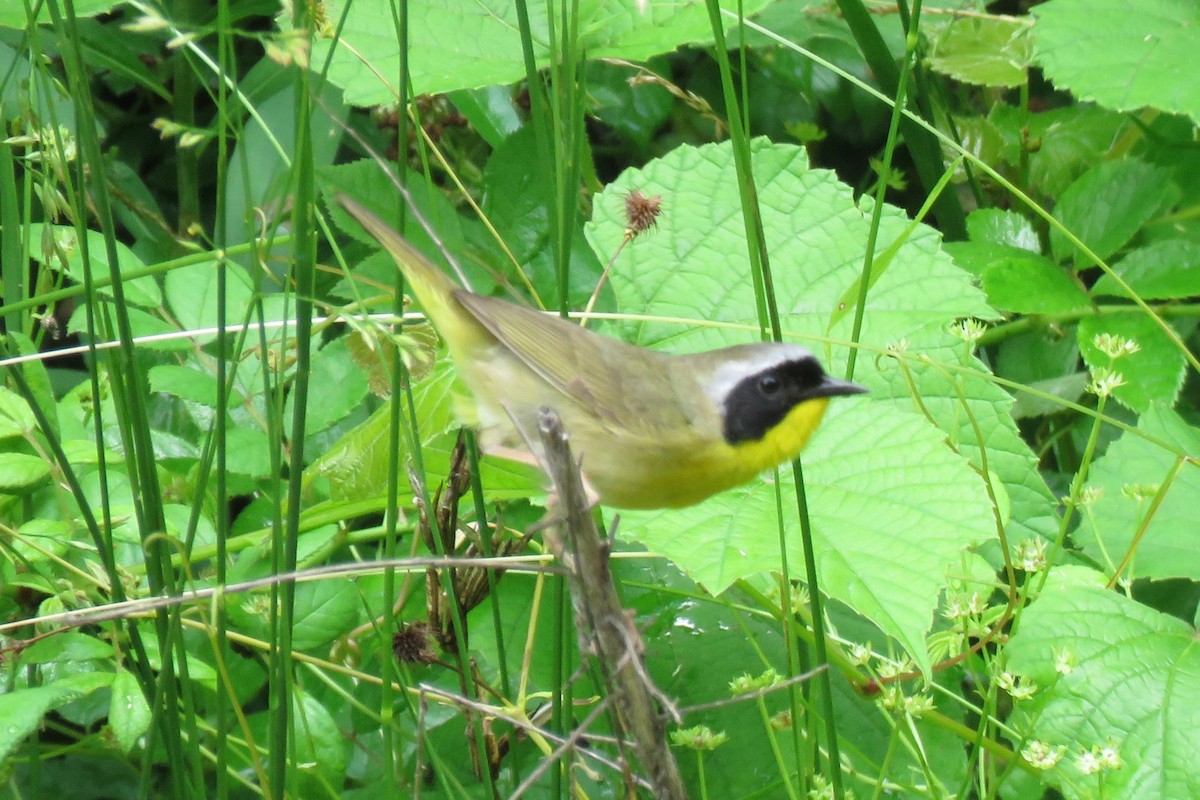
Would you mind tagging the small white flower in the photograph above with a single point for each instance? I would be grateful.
(1140, 491)
(1110, 757)
(1115, 346)
(1105, 381)
(1064, 661)
(1018, 689)
(918, 705)
(1042, 755)
(1088, 762)
(860, 654)
(1031, 555)
(969, 330)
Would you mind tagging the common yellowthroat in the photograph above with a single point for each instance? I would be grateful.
(652, 430)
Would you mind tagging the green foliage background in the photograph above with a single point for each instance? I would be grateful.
(1002, 531)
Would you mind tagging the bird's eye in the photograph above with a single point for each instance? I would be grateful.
(769, 384)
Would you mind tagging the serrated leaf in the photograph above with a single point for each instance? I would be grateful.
(1111, 672)
(324, 611)
(467, 46)
(891, 575)
(1107, 205)
(991, 51)
(693, 266)
(336, 387)
(1120, 54)
(1154, 374)
(1124, 513)
(1031, 284)
(968, 405)
(1166, 270)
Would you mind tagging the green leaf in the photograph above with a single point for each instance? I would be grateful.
(1125, 482)
(1045, 361)
(473, 47)
(1153, 374)
(892, 576)
(992, 51)
(635, 111)
(324, 610)
(14, 16)
(192, 295)
(515, 201)
(694, 267)
(142, 325)
(514, 198)
(1111, 672)
(1027, 283)
(1122, 55)
(188, 383)
(1108, 204)
(37, 378)
(1003, 227)
(336, 387)
(318, 745)
(356, 466)
(370, 186)
(41, 539)
(16, 417)
(50, 244)
(21, 472)
(1165, 270)
(248, 451)
(968, 405)
(21, 710)
(1057, 145)
(974, 257)
(129, 714)
(264, 148)
(490, 111)
(68, 646)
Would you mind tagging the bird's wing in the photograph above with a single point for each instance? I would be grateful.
(628, 389)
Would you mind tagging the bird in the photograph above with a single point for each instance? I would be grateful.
(651, 430)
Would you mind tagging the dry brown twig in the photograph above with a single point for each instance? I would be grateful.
(606, 630)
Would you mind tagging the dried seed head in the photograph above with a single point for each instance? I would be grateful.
(412, 644)
(641, 212)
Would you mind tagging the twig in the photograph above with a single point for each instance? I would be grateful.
(606, 630)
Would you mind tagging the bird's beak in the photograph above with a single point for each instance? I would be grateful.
(832, 387)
